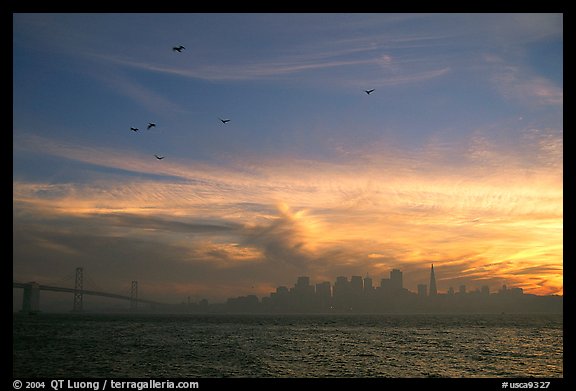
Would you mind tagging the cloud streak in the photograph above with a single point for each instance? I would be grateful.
(320, 218)
(458, 161)
(519, 85)
(280, 69)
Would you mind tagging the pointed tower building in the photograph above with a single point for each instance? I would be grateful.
(433, 291)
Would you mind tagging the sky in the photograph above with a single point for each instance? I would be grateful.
(455, 159)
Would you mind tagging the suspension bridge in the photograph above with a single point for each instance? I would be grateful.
(31, 296)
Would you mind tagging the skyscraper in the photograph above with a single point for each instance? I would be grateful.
(324, 290)
(324, 295)
(303, 282)
(422, 290)
(433, 291)
(340, 293)
(396, 280)
(356, 285)
(368, 284)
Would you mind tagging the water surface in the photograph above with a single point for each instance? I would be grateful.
(204, 346)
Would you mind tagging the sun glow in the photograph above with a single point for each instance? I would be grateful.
(367, 221)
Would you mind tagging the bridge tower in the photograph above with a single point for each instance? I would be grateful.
(134, 296)
(31, 298)
(78, 291)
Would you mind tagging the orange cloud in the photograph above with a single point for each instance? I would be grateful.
(485, 222)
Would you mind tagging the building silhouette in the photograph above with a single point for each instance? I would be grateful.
(368, 284)
(422, 290)
(303, 282)
(396, 283)
(324, 294)
(303, 294)
(340, 293)
(433, 291)
(358, 295)
(385, 285)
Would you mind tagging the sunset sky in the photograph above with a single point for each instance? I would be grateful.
(455, 159)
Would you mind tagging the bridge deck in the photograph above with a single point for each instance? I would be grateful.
(84, 292)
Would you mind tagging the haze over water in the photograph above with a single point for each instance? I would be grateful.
(201, 346)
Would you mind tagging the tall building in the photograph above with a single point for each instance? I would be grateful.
(516, 291)
(384, 286)
(303, 286)
(302, 296)
(282, 290)
(433, 291)
(340, 293)
(368, 284)
(342, 282)
(303, 282)
(396, 280)
(324, 295)
(323, 289)
(356, 285)
(422, 290)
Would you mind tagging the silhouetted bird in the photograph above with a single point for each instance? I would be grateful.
(370, 91)
(224, 120)
(134, 129)
(150, 125)
(178, 48)
(159, 157)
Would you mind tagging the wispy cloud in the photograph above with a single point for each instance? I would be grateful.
(317, 193)
(287, 66)
(123, 84)
(517, 84)
(321, 218)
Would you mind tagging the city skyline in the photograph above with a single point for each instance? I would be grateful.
(354, 294)
(395, 282)
(360, 295)
(392, 285)
(272, 146)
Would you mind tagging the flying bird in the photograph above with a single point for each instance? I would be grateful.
(159, 157)
(178, 48)
(134, 129)
(369, 91)
(224, 120)
(150, 125)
